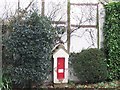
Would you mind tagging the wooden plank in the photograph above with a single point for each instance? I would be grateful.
(84, 4)
(74, 25)
(83, 26)
(58, 22)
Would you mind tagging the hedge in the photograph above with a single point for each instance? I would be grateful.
(112, 39)
(89, 66)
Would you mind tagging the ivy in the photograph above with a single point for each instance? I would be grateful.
(112, 39)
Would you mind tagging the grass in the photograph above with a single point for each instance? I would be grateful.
(113, 84)
(107, 85)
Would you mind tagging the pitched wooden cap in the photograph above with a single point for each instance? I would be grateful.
(57, 47)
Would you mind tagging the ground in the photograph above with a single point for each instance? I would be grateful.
(114, 85)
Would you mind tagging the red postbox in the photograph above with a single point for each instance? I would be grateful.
(60, 64)
(60, 68)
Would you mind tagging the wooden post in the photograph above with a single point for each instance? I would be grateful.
(18, 6)
(97, 26)
(1, 49)
(43, 8)
(68, 26)
(18, 10)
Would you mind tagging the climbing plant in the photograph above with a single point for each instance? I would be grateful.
(112, 39)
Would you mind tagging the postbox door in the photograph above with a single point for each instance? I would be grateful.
(60, 68)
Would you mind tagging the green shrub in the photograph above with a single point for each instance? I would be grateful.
(28, 49)
(112, 39)
(89, 65)
(6, 83)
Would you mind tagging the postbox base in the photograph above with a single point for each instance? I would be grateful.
(56, 81)
(60, 85)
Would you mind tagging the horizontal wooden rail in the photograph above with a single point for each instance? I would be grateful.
(74, 25)
(84, 4)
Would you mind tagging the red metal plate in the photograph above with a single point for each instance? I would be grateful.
(60, 68)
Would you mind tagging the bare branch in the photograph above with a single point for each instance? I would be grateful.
(29, 5)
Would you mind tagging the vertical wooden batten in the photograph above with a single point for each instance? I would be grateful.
(43, 8)
(68, 25)
(97, 27)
